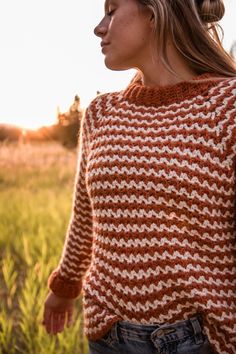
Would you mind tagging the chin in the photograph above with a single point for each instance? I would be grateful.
(113, 65)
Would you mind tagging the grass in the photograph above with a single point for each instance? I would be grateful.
(36, 186)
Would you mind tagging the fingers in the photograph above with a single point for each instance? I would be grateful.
(54, 321)
(47, 320)
(61, 322)
(69, 317)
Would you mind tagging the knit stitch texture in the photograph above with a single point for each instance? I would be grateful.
(152, 233)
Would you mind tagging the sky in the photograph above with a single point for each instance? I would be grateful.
(49, 54)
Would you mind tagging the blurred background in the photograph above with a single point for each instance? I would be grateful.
(51, 67)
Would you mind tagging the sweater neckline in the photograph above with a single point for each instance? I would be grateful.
(139, 94)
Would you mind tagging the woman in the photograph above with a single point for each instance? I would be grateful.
(152, 235)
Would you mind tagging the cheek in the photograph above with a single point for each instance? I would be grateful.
(119, 26)
(124, 21)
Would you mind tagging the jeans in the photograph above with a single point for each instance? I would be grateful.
(184, 337)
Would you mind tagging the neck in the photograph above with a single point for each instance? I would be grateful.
(181, 72)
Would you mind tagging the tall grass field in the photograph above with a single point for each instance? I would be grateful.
(36, 189)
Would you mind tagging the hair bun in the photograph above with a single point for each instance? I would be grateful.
(210, 10)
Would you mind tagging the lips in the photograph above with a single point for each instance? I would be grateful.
(104, 45)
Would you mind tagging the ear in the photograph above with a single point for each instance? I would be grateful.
(152, 20)
(151, 16)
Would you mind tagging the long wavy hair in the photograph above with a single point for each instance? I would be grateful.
(193, 26)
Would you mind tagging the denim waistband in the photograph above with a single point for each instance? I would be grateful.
(159, 333)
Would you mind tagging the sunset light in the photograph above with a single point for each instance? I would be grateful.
(49, 54)
(118, 218)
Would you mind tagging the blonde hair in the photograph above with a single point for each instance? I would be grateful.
(193, 28)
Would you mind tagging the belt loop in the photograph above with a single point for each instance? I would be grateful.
(114, 331)
(196, 329)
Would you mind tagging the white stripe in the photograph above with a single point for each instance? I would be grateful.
(157, 270)
(78, 245)
(115, 286)
(78, 248)
(176, 255)
(84, 220)
(81, 227)
(141, 213)
(76, 258)
(144, 228)
(172, 162)
(180, 138)
(124, 114)
(158, 187)
(141, 199)
(78, 237)
(170, 241)
(69, 265)
(170, 189)
(67, 272)
(99, 325)
(158, 150)
(156, 173)
(157, 304)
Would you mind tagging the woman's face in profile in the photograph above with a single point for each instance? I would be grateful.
(126, 34)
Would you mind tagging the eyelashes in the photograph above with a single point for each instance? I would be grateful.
(110, 13)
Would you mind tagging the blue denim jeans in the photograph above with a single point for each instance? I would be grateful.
(184, 337)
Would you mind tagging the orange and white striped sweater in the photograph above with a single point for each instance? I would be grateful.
(153, 228)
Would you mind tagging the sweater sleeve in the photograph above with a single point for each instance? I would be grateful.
(66, 280)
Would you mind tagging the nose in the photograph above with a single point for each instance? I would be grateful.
(101, 29)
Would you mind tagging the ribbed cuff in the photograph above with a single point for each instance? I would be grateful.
(63, 287)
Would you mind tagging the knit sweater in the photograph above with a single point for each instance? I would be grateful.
(152, 233)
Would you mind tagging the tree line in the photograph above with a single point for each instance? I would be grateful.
(65, 131)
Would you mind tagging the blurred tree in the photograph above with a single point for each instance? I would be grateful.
(9, 133)
(65, 131)
(69, 124)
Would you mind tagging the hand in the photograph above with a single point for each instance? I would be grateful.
(58, 312)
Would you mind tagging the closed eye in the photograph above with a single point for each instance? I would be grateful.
(111, 12)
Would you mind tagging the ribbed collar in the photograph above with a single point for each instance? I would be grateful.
(157, 96)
